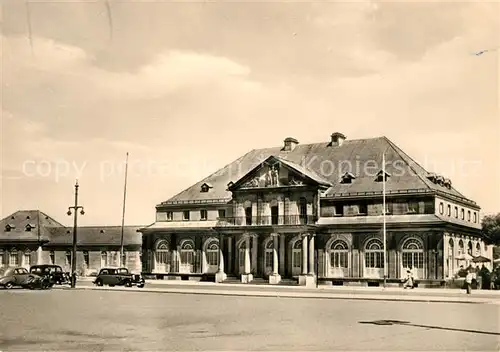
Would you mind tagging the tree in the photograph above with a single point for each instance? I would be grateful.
(491, 228)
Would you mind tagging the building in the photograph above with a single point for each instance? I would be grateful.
(314, 212)
(30, 237)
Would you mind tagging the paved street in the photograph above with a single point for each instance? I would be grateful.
(115, 320)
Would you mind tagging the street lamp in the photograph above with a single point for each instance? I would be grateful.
(76, 207)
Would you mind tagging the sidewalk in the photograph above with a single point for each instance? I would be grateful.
(322, 292)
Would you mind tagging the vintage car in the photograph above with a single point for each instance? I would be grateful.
(118, 277)
(20, 277)
(53, 273)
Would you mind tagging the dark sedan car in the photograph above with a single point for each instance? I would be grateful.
(20, 277)
(118, 277)
(53, 273)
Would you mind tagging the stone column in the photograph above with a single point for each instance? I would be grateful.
(220, 276)
(247, 277)
(304, 255)
(254, 255)
(38, 256)
(312, 269)
(229, 254)
(307, 278)
(275, 277)
(282, 255)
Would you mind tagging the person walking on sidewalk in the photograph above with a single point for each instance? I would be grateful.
(408, 282)
(468, 282)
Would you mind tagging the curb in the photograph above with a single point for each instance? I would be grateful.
(419, 299)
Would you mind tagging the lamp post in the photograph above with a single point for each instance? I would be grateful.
(76, 207)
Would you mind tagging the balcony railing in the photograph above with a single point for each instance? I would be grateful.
(278, 220)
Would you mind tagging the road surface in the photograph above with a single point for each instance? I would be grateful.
(115, 320)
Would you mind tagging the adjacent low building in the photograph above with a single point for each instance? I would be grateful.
(29, 237)
(315, 211)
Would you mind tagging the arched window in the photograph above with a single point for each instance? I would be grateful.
(13, 258)
(104, 259)
(297, 255)
(187, 252)
(478, 249)
(27, 259)
(451, 257)
(86, 258)
(338, 254)
(68, 258)
(212, 253)
(269, 249)
(241, 253)
(162, 255)
(461, 247)
(413, 254)
(441, 208)
(374, 254)
(52, 257)
(469, 248)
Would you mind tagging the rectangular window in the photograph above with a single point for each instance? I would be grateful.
(456, 212)
(222, 213)
(462, 214)
(248, 215)
(468, 215)
(363, 209)
(475, 217)
(170, 216)
(185, 215)
(339, 209)
(203, 214)
(449, 210)
(412, 207)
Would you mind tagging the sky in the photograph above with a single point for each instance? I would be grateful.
(187, 87)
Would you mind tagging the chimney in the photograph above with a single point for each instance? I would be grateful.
(289, 144)
(337, 139)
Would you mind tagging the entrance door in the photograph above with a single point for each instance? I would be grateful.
(241, 257)
(374, 259)
(269, 257)
(274, 215)
(187, 257)
(297, 258)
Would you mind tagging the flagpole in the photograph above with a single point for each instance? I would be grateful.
(123, 212)
(384, 226)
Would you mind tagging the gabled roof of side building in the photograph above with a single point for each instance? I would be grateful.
(361, 157)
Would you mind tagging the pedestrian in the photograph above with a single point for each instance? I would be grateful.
(468, 282)
(408, 282)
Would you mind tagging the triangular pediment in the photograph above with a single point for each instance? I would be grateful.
(277, 172)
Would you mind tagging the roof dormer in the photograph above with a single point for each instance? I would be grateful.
(337, 139)
(347, 178)
(29, 227)
(447, 183)
(9, 227)
(380, 176)
(230, 184)
(205, 187)
(289, 144)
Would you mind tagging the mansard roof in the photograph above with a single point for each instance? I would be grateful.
(14, 226)
(96, 235)
(361, 157)
(47, 230)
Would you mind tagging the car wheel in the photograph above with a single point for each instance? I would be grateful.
(140, 286)
(98, 282)
(9, 285)
(128, 284)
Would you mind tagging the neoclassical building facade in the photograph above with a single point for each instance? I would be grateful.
(314, 212)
